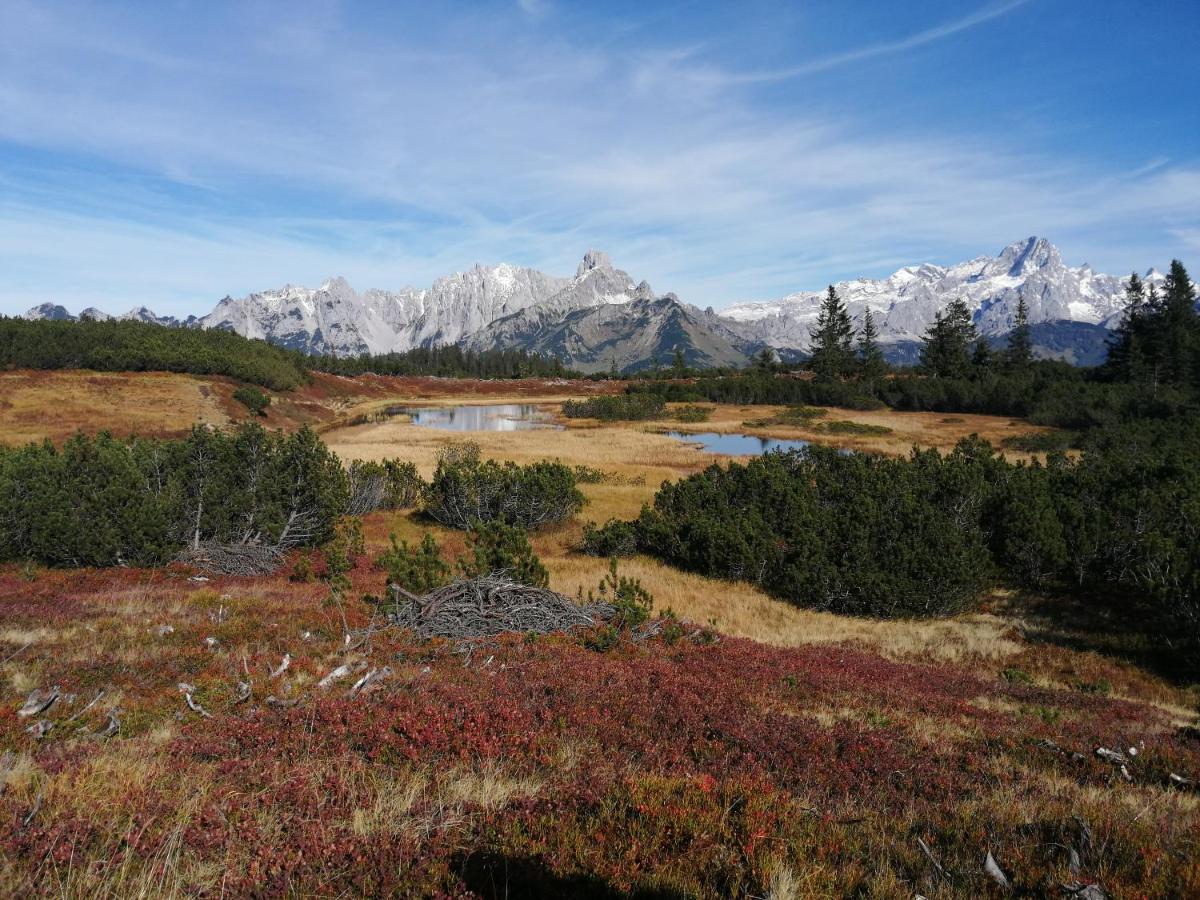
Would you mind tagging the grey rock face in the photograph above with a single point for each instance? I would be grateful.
(601, 316)
(50, 311)
(904, 304)
(636, 335)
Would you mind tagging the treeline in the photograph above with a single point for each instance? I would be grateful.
(123, 346)
(99, 501)
(1153, 371)
(113, 346)
(923, 535)
(1046, 393)
(446, 362)
(868, 535)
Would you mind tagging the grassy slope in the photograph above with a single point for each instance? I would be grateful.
(806, 765)
(55, 404)
(704, 769)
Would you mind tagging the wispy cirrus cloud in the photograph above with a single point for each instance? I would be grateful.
(158, 164)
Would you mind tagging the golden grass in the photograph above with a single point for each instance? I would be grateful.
(38, 405)
(638, 452)
(922, 429)
(415, 800)
(738, 608)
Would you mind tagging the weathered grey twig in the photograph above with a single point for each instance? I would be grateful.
(95, 700)
(932, 859)
(38, 702)
(370, 678)
(992, 868)
(187, 690)
(283, 665)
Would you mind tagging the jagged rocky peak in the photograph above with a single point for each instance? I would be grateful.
(51, 311)
(905, 303)
(335, 285)
(1025, 256)
(593, 259)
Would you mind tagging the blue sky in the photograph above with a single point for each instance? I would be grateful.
(169, 153)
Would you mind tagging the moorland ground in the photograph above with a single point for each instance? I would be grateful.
(783, 752)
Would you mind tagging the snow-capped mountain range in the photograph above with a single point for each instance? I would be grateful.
(904, 303)
(601, 317)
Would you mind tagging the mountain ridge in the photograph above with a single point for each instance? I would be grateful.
(601, 316)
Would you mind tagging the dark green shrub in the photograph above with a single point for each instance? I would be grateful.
(417, 570)
(496, 547)
(849, 533)
(1100, 687)
(846, 427)
(1013, 675)
(99, 501)
(632, 602)
(467, 490)
(253, 399)
(692, 413)
(615, 538)
(124, 346)
(1042, 442)
(616, 407)
(602, 638)
(761, 388)
(390, 484)
(590, 475)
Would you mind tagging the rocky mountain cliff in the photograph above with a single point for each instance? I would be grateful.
(602, 316)
(636, 335)
(904, 304)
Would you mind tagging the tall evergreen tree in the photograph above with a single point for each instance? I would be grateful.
(1126, 353)
(1180, 326)
(831, 347)
(946, 351)
(1019, 353)
(981, 354)
(679, 362)
(870, 357)
(766, 359)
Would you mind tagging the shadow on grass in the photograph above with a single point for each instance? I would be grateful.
(494, 875)
(1113, 627)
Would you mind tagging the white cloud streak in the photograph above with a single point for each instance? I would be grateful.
(887, 48)
(267, 152)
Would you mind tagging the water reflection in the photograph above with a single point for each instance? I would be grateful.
(494, 417)
(737, 444)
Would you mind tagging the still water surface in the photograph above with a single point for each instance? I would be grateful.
(737, 444)
(494, 417)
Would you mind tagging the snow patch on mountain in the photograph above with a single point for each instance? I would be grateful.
(905, 303)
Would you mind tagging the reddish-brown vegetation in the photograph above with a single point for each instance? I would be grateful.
(538, 767)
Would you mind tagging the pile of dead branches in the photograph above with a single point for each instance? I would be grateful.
(233, 559)
(491, 605)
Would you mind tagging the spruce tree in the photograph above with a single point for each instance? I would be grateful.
(981, 355)
(1125, 347)
(766, 359)
(946, 351)
(870, 358)
(1180, 325)
(679, 362)
(831, 348)
(1019, 353)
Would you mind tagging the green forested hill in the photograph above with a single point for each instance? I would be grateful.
(138, 347)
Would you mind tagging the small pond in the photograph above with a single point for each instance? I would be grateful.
(494, 417)
(737, 444)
